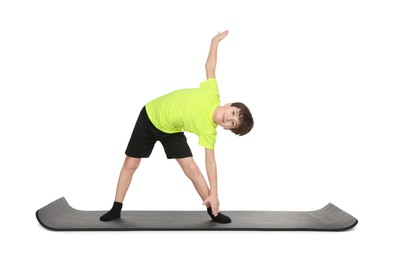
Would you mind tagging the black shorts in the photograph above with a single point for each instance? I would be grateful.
(145, 135)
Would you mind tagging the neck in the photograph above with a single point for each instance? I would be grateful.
(216, 111)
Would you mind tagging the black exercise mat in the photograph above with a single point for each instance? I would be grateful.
(60, 216)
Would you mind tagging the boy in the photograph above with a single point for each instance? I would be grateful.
(164, 119)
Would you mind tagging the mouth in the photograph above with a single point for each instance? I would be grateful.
(223, 118)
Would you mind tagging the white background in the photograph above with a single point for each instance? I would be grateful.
(317, 76)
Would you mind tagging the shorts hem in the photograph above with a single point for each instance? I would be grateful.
(178, 157)
(137, 156)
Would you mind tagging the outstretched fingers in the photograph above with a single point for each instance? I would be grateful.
(221, 35)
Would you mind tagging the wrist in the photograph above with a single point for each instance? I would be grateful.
(214, 193)
(214, 41)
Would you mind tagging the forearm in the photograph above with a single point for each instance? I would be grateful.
(212, 176)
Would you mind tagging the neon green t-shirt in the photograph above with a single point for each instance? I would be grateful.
(188, 110)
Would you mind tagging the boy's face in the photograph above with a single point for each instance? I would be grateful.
(229, 117)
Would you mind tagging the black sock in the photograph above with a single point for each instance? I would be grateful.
(220, 218)
(114, 213)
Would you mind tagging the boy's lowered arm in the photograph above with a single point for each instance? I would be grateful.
(211, 61)
(211, 169)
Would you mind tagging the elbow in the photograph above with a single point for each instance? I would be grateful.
(210, 70)
(210, 66)
(211, 163)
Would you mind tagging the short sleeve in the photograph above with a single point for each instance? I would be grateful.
(207, 140)
(210, 85)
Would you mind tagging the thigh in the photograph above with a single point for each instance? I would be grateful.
(142, 140)
(176, 146)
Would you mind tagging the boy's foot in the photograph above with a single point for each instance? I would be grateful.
(220, 218)
(114, 213)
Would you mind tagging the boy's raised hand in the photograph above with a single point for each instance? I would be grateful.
(220, 36)
(211, 61)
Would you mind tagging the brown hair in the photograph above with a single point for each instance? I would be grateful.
(246, 122)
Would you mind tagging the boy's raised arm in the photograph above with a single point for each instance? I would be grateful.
(211, 61)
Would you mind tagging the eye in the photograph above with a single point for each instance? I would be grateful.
(233, 113)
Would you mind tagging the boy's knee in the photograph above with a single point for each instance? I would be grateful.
(131, 163)
(192, 169)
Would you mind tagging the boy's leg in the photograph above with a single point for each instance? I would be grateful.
(192, 171)
(129, 167)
